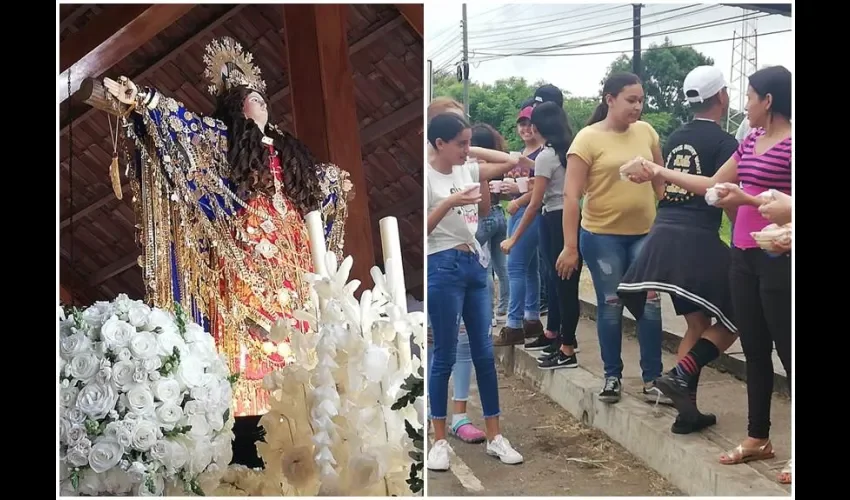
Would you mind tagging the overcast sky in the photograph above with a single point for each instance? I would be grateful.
(496, 28)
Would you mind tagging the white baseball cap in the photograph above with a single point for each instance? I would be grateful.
(702, 83)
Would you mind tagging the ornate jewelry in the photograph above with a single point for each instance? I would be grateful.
(228, 66)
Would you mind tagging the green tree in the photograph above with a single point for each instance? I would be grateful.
(664, 69)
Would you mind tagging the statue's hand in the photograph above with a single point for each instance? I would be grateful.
(124, 90)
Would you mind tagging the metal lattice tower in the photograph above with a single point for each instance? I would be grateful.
(744, 63)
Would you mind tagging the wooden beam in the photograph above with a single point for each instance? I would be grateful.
(397, 119)
(99, 46)
(413, 12)
(65, 297)
(79, 214)
(69, 20)
(114, 269)
(324, 110)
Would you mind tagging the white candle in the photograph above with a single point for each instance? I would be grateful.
(391, 246)
(318, 250)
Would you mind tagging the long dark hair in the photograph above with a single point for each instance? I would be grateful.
(613, 86)
(445, 126)
(485, 136)
(551, 122)
(249, 158)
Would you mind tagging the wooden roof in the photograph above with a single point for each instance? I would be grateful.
(98, 251)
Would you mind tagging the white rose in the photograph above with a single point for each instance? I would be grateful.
(189, 372)
(73, 344)
(105, 454)
(154, 376)
(177, 455)
(169, 414)
(160, 450)
(218, 368)
(137, 471)
(145, 435)
(160, 319)
(122, 302)
(74, 434)
(196, 333)
(84, 366)
(215, 420)
(144, 345)
(124, 354)
(78, 455)
(122, 374)
(140, 376)
(138, 314)
(168, 341)
(95, 316)
(68, 396)
(200, 427)
(140, 400)
(193, 408)
(167, 390)
(152, 364)
(75, 415)
(97, 400)
(204, 351)
(116, 333)
(104, 375)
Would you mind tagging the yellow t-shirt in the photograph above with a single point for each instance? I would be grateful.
(613, 205)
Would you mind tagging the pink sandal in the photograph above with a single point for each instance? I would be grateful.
(468, 433)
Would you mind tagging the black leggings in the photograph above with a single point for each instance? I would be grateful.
(563, 294)
(761, 297)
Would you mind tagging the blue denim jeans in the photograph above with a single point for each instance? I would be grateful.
(524, 273)
(462, 370)
(608, 256)
(493, 229)
(457, 291)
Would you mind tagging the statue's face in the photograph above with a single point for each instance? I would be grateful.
(254, 107)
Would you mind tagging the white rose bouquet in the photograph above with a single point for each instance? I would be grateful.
(144, 402)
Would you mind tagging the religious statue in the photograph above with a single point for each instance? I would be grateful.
(220, 203)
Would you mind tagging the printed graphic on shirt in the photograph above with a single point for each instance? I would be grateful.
(468, 212)
(683, 158)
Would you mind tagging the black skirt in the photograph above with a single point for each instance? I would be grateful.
(690, 263)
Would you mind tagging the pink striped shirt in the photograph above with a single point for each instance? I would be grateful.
(758, 173)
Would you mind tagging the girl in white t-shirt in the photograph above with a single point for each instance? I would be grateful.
(457, 277)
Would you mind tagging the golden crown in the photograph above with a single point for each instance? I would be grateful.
(228, 66)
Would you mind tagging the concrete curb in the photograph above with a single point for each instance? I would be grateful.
(731, 364)
(689, 462)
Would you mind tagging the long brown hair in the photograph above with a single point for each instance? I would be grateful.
(249, 158)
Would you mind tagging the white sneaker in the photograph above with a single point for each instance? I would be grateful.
(501, 447)
(438, 456)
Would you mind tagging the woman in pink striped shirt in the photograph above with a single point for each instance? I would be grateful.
(761, 283)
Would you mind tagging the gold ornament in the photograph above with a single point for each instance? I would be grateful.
(228, 66)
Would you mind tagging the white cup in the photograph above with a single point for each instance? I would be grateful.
(474, 188)
(522, 184)
(496, 186)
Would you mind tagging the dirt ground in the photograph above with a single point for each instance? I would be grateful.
(563, 457)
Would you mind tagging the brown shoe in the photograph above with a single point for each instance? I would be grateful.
(533, 328)
(508, 336)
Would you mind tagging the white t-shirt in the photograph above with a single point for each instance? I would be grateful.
(460, 224)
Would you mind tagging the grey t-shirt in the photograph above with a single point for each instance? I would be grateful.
(548, 165)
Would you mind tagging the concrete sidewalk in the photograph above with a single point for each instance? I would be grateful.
(688, 462)
(732, 361)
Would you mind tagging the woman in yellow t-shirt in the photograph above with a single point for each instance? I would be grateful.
(615, 217)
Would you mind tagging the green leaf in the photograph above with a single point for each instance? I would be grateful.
(75, 479)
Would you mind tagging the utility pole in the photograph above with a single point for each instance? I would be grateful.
(430, 80)
(465, 63)
(637, 66)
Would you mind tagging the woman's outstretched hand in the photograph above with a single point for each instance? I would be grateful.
(124, 90)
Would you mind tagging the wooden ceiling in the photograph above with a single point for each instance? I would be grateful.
(98, 250)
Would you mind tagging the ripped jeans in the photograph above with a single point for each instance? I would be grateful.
(608, 256)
